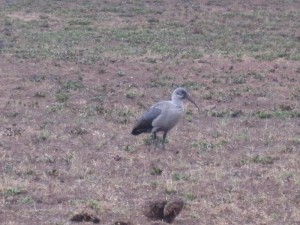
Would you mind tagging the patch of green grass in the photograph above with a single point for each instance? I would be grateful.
(26, 200)
(189, 116)
(204, 146)
(94, 204)
(239, 80)
(192, 54)
(76, 38)
(128, 148)
(223, 37)
(40, 94)
(91, 203)
(134, 35)
(295, 141)
(243, 135)
(156, 171)
(121, 115)
(160, 81)
(190, 196)
(153, 184)
(78, 131)
(53, 172)
(129, 10)
(8, 168)
(132, 92)
(257, 76)
(72, 85)
(264, 115)
(180, 176)
(208, 95)
(79, 22)
(262, 159)
(218, 113)
(56, 44)
(62, 97)
(224, 113)
(43, 135)
(68, 158)
(12, 191)
(242, 162)
(161, 48)
(55, 107)
(147, 140)
(258, 159)
(193, 85)
(37, 78)
(170, 191)
(277, 114)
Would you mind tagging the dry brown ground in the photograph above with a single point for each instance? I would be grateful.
(66, 148)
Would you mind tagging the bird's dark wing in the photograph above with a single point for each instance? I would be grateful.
(144, 124)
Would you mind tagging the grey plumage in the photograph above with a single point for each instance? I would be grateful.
(163, 116)
(145, 122)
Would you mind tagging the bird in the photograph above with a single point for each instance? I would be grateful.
(163, 116)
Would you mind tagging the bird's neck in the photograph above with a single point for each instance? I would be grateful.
(177, 102)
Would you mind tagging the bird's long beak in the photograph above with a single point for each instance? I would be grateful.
(192, 101)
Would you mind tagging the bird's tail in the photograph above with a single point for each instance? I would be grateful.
(137, 131)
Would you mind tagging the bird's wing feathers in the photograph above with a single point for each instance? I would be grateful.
(151, 114)
(144, 124)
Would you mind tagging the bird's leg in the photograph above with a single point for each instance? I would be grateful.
(164, 139)
(154, 139)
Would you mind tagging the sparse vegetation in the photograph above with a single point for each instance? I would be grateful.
(40, 94)
(203, 146)
(190, 196)
(128, 148)
(262, 159)
(156, 171)
(94, 204)
(72, 85)
(278, 114)
(13, 191)
(62, 97)
(180, 176)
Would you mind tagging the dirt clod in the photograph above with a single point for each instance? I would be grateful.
(122, 223)
(163, 210)
(85, 217)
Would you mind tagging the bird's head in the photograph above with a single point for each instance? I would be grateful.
(181, 93)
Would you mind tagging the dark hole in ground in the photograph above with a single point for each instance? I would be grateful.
(85, 217)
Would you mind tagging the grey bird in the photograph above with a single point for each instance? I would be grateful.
(163, 116)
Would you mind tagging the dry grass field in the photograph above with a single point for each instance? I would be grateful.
(75, 76)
